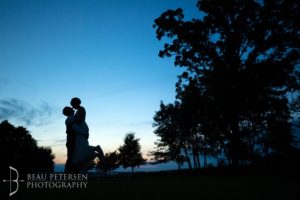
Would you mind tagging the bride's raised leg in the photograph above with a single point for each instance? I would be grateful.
(100, 154)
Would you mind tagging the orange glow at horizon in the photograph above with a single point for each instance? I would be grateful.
(60, 158)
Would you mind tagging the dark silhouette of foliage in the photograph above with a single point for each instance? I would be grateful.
(112, 161)
(130, 152)
(172, 133)
(18, 149)
(240, 62)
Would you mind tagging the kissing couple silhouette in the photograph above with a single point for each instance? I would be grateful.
(80, 155)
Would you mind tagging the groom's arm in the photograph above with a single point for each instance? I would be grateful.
(68, 130)
(69, 121)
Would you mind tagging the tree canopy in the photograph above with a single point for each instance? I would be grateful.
(241, 65)
(130, 152)
(20, 150)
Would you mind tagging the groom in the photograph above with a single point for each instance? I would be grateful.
(69, 167)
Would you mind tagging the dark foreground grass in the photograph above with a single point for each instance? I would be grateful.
(283, 186)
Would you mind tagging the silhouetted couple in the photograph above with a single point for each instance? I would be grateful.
(80, 154)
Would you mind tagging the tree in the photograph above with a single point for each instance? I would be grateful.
(20, 150)
(112, 161)
(173, 135)
(130, 152)
(183, 128)
(243, 56)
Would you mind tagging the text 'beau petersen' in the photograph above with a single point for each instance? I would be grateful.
(51, 181)
(57, 177)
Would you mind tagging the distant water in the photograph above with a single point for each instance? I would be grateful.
(143, 168)
(153, 168)
(59, 167)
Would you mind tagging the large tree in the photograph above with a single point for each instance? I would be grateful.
(243, 55)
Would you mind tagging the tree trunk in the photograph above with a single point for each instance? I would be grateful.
(187, 157)
(179, 165)
(205, 158)
(235, 145)
(251, 127)
(194, 159)
(197, 152)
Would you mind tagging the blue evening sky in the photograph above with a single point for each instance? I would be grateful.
(102, 51)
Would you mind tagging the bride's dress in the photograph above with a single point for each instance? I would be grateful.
(82, 150)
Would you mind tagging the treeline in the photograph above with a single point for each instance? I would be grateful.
(20, 150)
(238, 96)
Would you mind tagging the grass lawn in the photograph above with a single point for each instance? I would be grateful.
(178, 186)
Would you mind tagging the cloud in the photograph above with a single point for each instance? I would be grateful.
(24, 112)
(140, 123)
(127, 124)
(53, 142)
(59, 141)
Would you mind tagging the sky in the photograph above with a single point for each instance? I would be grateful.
(104, 52)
